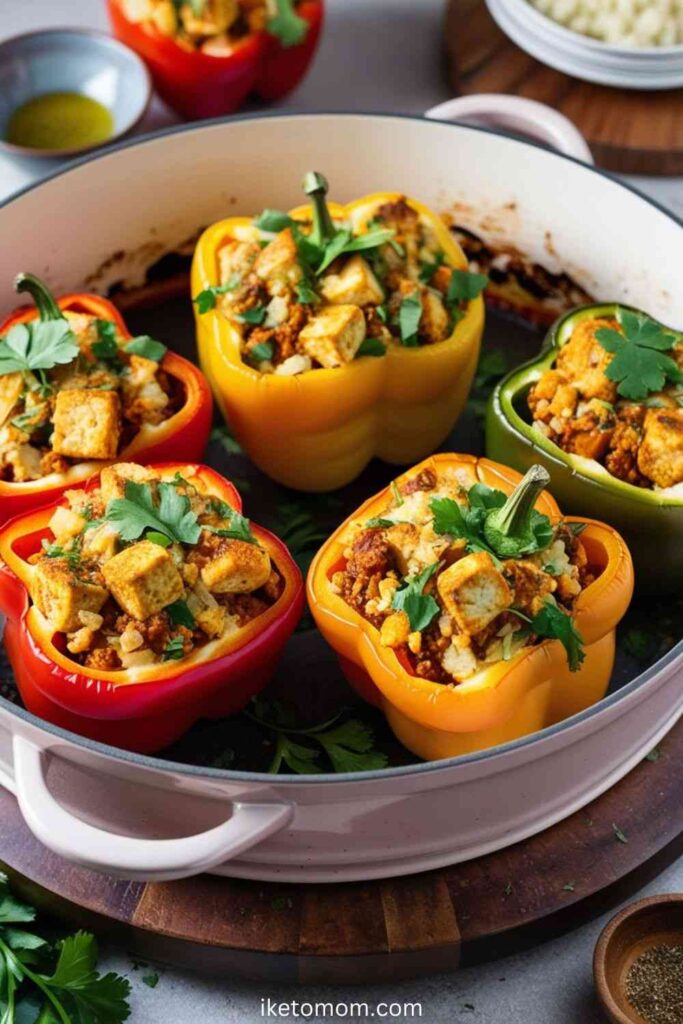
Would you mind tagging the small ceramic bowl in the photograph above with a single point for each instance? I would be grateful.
(655, 921)
(72, 60)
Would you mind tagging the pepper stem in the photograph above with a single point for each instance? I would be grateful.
(316, 187)
(512, 518)
(41, 295)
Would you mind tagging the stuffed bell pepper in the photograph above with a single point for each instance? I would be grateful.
(207, 56)
(467, 608)
(78, 391)
(142, 602)
(602, 409)
(332, 334)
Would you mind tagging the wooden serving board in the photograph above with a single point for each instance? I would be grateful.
(382, 930)
(628, 131)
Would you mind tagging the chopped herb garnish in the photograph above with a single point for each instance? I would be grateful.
(273, 221)
(420, 608)
(552, 622)
(382, 313)
(398, 497)
(620, 834)
(640, 364)
(371, 347)
(465, 286)
(147, 347)
(462, 523)
(286, 25)
(409, 316)
(206, 299)
(106, 348)
(151, 980)
(262, 353)
(306, 294)
(429, 268)
(569, 887)
(239, 528)
(377, 522)
(174, 649)
(654, 755)
(137, 512)
(255, 315)
(180, 614)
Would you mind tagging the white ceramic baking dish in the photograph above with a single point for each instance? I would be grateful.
(115, 214)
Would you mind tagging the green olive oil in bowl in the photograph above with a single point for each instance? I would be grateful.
(60, 121)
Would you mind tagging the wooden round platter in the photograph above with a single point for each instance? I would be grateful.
(381, 930)
(628, 131)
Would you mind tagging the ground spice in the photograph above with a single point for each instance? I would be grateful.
(654, 985)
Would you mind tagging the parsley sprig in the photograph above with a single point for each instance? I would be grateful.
(420, 608)
(640, 364)
(41, 344)
(170, 518)
(347, 744)
(552, 623)
(53, 984)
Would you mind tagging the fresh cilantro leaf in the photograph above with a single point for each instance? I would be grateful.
(239, 528)
(429, 268)
(334, 248)
(273, 221)
(420, 608)
(106, 347)
(136, 512)
(151, 979)
(286, 25)
(465, 286)
(349, 747)
(206, 299)
(300, 759)
(569, 887)
(180, 614)
(371, 347)
(255, 315)
(12, 910)
(147, 347)
(461, 523)
(382, 313)
(640, 365)
(72, 554)
(409, 317)
(378, 522)
(483, 496)
(263, 352)
(306, 294)
(39, 345)
(95, 998)
(552, 622)
(174, 649)
(344, 242)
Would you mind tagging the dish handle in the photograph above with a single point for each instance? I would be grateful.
(517, 114)
(125, 856)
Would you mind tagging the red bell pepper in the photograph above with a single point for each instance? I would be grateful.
(183, 435)
(197, 84)
(141, 709)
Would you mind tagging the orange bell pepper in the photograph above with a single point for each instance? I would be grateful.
(183, 435)
(316, 431)
(144, 708)
(511, 698)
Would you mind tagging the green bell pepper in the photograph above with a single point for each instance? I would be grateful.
(650, 522)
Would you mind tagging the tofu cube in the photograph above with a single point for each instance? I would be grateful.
(237, 568)
(279, 261)
(334, 335)
(60, 596)
(237, 258)
(143, 579)
(355, 284)
(113, 479)
(435, 321)
(87, 424)
(11, 386)
(660, 457)
(474, 592)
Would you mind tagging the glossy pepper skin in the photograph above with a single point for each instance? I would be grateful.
(197, 84)
(183, 435)
(318, 430)
(510, 699)
(147, 709)
(651, 524)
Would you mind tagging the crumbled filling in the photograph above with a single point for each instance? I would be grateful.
(214, 26)
(467, 608)
(87, 409)
(293, 318)
(578, 407)
(146, 568)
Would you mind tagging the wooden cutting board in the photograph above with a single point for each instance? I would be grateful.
(382, 930)
(628, 131)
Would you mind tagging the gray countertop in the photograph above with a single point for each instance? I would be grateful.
(381, 55)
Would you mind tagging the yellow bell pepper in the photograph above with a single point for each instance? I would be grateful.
(317, 430)
(510, 699)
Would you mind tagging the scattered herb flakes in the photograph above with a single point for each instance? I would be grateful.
(262, 352)
(371, 347)
(640, 365)
(256, 315)
(106, 348)
(554, 623)
(151, 979)
(306, 294)
(409, 317)
(654, 755)
(180, 614)
(174, 649)
(619, 834)
(569, 887)
(206, 299)
(377, 522)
